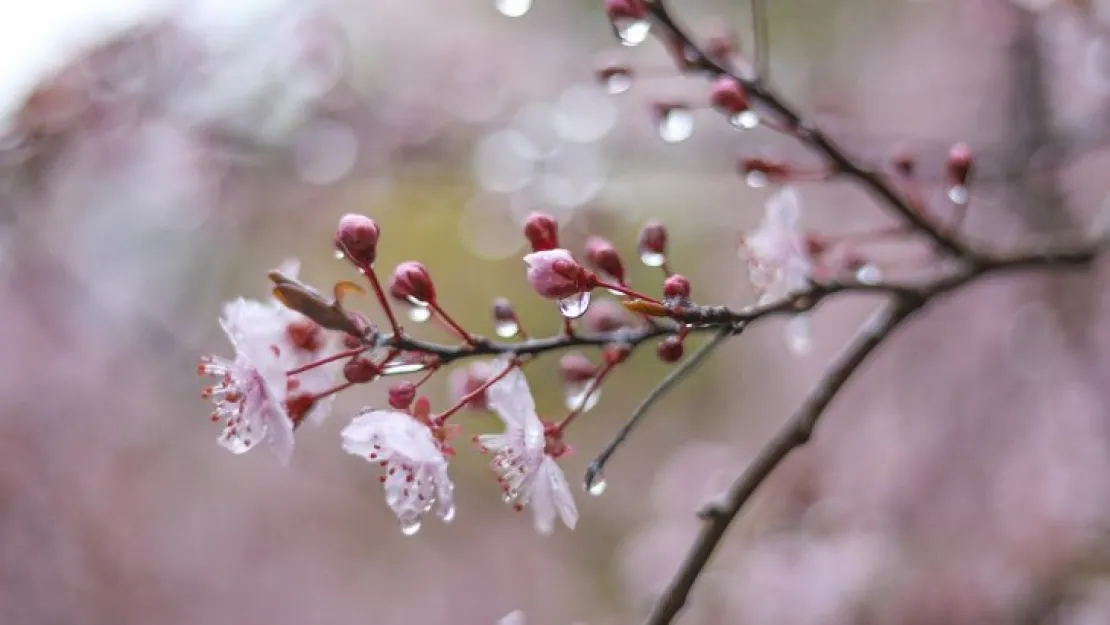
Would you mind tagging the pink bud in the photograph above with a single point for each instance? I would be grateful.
(401, 394)
(625, 9)
(604, 257)
(555, 274)
(669, 349)
(542, 231)
(357, 237)
(576, 368)
(959, 164)
(503, 311)
(360, 371)
(727, 96)
(676, 287)
(653, 240)
(411, 282)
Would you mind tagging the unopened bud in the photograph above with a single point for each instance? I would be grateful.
(357, 238)
(360, 371)
(576, 368)
(401, 394)
(676, 287)
(653, 244)
(727, 96)
(670, 349)
(601, 254)
(625, 9)
(959, 164)
(542, 231)
(412, 283)
(555, 274)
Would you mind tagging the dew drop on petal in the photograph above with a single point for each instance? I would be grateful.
(632, 32)
(419, 314)
(410, 527)
(598, 486)
(869, 274)
(652, 259)
(506, 329)
(574, 306)
(755, 179)
(513, 8)
(798, 335)
(676, 124)
(958, 194)
(745, 120)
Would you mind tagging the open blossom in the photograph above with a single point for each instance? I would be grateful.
(555, 274)
(778, 261)
(525, 453)
(255, 398)
(415, 478)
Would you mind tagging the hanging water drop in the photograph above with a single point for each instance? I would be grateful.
(676, 124)
(410, 527)
(652, 259)
(506, 329)
(632, 31)
(419, 312)
(399, 367)
(618, 82)
(745, 120)
(598, 486)
(449, 514)
(513, 8)
(575, 306)
(579, 398)
(755, 179)
(959, 194)
(869, 274)
(339, 255)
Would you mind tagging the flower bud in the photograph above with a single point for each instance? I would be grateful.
(464, 381)
(670, 349)
(604, 257)
(607, 316)
(401, 394)
(625, 9)
(676, 287)
(653, 244)
(542, 231)
(576, 368)
(555, 274)
(959, 164)
(357, 238)
(360, 371)
(411, 283)
(727, 96)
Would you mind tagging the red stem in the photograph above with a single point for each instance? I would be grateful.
(323, 361)
(594, 385)
(466, 399)
(463, 334)
(627, 291)
(380, 293)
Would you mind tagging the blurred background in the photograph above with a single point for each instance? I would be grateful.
(159, 157)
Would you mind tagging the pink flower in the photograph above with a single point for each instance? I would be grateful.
(415, 478)
(778, 261)
(524, 455)
(555, 274)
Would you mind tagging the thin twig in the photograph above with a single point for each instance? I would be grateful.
(677, 375)
(762, 40)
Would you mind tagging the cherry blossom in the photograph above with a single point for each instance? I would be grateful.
(778, 261)
(555, 274)
(415, 465)
(525, 453)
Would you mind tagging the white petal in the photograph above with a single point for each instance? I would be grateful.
(784, 208)
(279, 434)
(511, 398)
(562, 495)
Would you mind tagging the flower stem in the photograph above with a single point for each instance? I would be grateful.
(458, 329)
(466, 399)
(627, 291)
(323, 361)
(594, 385)
(380, 293)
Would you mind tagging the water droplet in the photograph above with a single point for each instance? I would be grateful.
(958, 194)
(676, 124)
(410, 527)
(652, 259)
(448, 514)
(755, 179)
(507, 497)
(576, 398)
(399, 368)
(506, 329)
(339, 255)
(798, 335)
(631, 31)
(597, 488)
(745, 120)
(575, 306)
(618, 82)
(419, 314)
(869, 274)
(513, 8)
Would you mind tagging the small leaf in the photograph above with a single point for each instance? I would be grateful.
(643, 307)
